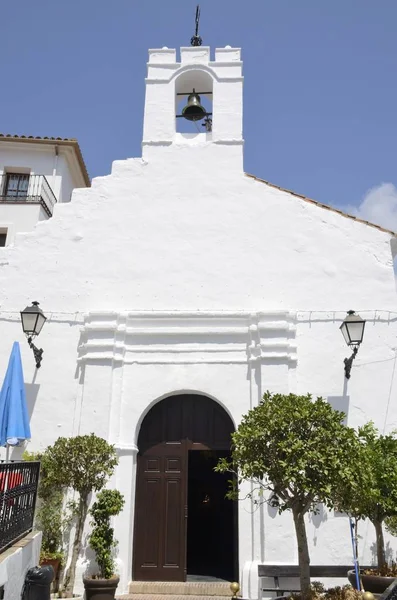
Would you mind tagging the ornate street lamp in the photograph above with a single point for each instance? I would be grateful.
(33, 320)
(352, 330)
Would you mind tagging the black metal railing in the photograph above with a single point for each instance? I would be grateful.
(18, 492)
(22, 187)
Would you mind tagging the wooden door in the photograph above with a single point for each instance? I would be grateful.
(170, 429)
(160, 514)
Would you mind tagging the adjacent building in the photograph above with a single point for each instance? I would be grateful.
(35, 174)
(178, 289)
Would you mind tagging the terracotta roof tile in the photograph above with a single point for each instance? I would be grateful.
(321, 205)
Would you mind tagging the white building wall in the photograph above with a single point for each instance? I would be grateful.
(54, 162)
(179, 273)
(19, 217)
(66, 175)
(38, 160)
(15, 563)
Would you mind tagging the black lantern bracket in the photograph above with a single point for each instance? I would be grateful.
(33, 320)
(349, 362)
(37, 353)
(352, 330)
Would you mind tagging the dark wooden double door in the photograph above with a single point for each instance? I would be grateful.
(181, 434)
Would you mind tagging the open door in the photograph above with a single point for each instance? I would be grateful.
(175, 429)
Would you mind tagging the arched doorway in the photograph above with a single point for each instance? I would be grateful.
(184, 526)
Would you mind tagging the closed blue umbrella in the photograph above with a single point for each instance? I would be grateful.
(14, 418)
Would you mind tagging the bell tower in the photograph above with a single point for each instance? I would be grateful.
(168, 80)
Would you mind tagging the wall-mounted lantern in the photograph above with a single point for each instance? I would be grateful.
(352, 330)
(33, 319)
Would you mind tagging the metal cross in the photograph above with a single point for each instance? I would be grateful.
(196, 39)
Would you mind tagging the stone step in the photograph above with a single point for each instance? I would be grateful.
(149, 596)
(181, 588)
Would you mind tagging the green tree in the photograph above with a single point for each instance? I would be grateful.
(296, 452)
(83, 463)
(391, 525)
(375, 498)
(108, 504)
(49, 518)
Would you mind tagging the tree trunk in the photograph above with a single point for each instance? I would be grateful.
(380, 543)
(70, 574)
(303, 551)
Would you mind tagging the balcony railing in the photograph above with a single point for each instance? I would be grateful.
(19, 188)
(18, 492)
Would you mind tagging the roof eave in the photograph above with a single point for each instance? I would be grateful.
(321, 205)
(71, 142)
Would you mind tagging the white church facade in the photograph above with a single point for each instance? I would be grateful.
(178, 289)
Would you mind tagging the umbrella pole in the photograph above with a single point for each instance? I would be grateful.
(353, 531)
(7, 453)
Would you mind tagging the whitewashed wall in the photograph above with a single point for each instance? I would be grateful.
(178, 273)
(15, 563)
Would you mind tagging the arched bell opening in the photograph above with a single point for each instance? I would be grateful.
(185, 528)
(194, 102)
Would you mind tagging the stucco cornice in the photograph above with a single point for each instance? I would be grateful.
(187, 338)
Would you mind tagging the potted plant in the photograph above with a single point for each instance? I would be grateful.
(375, 499)
(104, 583)
(296, 452)
(82, 464)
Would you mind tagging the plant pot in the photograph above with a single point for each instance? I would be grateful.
(56, 565)
(54, 562)
(100, 589)
(376, 584)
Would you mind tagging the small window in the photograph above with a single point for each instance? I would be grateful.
(16, 185)
(3, 237)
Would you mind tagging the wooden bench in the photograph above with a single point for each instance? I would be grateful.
(292, 571)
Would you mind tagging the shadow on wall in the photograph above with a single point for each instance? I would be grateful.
(272, 509)
(32, 390)
(340, 403)
(316, 518)
(389, 553)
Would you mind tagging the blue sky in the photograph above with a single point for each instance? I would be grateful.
(320, 93)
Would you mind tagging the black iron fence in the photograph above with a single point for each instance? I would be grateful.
(18, 491)
(22, 187)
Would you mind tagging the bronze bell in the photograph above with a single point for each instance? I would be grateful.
(193, 110)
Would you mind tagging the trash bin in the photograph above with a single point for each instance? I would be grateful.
(38, 583)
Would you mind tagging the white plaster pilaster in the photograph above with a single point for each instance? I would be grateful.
(125, 478)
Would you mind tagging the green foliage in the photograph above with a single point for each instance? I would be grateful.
(83, 463)
(391, 525)
(296, 448)
(297, 453)
(379, 454)
(49, 518)
(108, 504)
(44, 556)
(375, 498)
